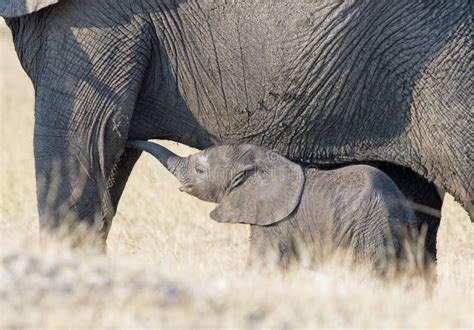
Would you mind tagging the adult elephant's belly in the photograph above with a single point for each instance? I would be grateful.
(334, 83)
(317, 112)
(294, 79)
(323, 119)
(320, 84)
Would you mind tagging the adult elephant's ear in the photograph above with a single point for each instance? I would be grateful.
(264, 192)
(16, 8)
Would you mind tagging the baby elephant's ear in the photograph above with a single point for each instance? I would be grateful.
(270, 191)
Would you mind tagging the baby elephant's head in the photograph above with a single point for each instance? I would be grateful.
(252, 184)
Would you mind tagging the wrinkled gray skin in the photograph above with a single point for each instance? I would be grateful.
(321, 82)
(293, 209)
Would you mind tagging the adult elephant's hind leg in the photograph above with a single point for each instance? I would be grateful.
(425, 201)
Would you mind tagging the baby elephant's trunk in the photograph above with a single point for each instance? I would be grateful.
(173, 163)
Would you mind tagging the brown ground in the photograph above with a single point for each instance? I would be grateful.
(170, 265)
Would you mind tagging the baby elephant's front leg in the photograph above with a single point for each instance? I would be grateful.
(270, 246)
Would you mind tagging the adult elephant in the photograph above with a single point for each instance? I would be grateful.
(326, 82)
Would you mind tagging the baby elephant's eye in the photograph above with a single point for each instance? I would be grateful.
(199, 170)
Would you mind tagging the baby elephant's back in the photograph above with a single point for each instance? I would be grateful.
(360, 207)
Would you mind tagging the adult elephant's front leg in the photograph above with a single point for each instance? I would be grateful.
(86, 82)
(78, 183)
(81, 173)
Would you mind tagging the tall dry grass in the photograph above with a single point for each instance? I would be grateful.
(169, 265)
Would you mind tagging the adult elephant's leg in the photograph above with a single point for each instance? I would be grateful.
(86, 81)
(120, 174)
(81, 173)
(425, 200)
(116, 184)
(90, 200)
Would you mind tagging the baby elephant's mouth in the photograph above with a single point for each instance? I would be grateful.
(188, 187)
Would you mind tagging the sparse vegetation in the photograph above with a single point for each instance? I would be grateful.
(169, 265)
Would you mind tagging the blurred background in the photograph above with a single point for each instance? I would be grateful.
(169, 264)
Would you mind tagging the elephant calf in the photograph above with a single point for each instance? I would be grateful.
(290, 207)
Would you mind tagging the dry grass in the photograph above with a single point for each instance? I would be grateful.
(170, 265)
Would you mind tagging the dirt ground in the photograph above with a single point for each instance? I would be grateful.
(170, 265)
